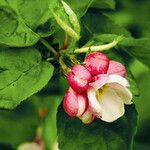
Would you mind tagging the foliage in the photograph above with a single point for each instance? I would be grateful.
(33, 34)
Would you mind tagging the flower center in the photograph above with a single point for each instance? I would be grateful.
(100, 92)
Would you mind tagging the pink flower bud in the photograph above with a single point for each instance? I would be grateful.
(116, 68)
(97, 63)
(79, 78)
(75, 104)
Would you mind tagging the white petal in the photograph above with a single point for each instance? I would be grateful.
(112, 106)
(123, 92)
(118, 79)
(94, 104)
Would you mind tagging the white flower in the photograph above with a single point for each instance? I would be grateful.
(107, 96)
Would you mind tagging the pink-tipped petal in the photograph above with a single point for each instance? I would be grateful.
(116, 68)
(79, 78)
(70, 103)
(75, 104)
(101, 80)
(97, 63)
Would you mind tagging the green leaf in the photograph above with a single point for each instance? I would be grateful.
(79, 8)
(66, 27)
(103, 4)
(142, 75)
(73, 134)
(19, 125)
(72, 17)
(138, 48)
(20, 21)
(22, 73)
(101, 24)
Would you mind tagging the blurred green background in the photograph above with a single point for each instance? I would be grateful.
(23, 124)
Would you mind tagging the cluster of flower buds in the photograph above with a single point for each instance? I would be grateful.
(98, 89)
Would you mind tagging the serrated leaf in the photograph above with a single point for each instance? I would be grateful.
(118, 135)
(23, 73)
(19, 125)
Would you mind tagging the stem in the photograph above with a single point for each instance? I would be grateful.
(64, 67)
(49, 47)
(97, 48)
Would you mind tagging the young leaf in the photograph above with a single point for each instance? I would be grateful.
(22, 74)
(66, 27)
(72, 17)
(73, 134)
(63, 20)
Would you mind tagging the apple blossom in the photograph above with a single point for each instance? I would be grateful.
(79, 78)
(107, 96)
(97, 63)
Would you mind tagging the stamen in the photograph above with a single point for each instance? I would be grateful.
(100, 92)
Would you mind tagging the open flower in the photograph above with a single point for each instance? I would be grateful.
(79, 78)
(107, 96)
